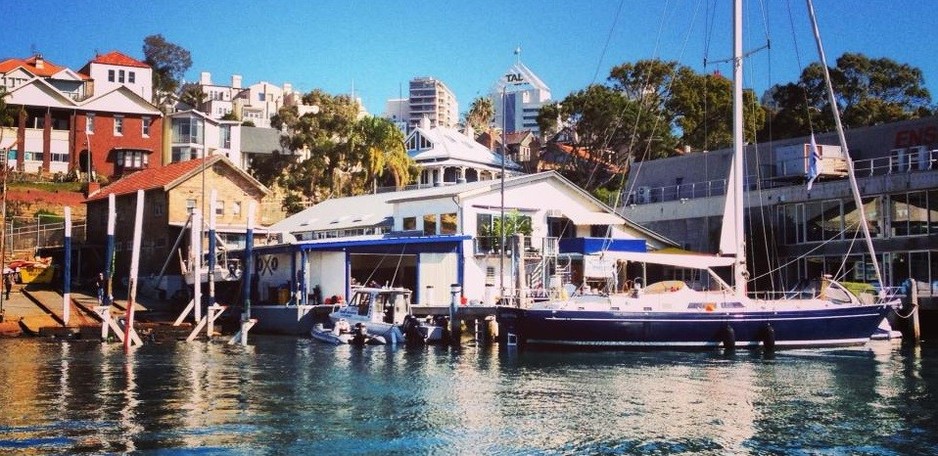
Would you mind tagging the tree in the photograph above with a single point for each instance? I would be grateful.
(702, 108)
(868, 92)
(346, 155)
(480, 115)
(169, 63)
(609, 128)
(649, 81)
(380, 147)
(194, 96)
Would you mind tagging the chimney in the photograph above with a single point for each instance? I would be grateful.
(40, 63)
(91, 187)
(205, 78)
(236, 81)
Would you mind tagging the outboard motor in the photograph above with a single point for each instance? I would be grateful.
(411, 329)
(359, 335)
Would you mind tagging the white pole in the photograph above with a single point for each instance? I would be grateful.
(195, 266)
(211, 230)
(134, 263)
(66, 286)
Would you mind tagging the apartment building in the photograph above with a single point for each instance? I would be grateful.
(431, 98)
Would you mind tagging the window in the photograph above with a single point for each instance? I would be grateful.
(429, 224)
(110, 75)
(236, 208)
(219, 207)
(448, 223)
(409, 223)
(158, 209)
(131, 77)
(187, 130)
(89, 122)
(120, 76)
(118, 125)
(224, 136)
(261, 96)
(190, 204)
(132, 159)
(146, 127)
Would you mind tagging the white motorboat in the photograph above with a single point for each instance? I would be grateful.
(339, 334)
(386, 312)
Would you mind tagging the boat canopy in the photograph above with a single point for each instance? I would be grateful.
(672, 259)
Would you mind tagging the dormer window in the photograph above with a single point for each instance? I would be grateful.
(418, 142)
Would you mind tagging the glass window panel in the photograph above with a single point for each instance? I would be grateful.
(918, 213)
(814, 221)
(833, 220)
(429, 224)
(448, 223)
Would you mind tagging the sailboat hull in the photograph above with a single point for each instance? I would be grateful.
(828, 327)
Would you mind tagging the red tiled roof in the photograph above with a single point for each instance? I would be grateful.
(48, 68)
(585, 155)
(515, 137)
(152, 178)
(117, 58)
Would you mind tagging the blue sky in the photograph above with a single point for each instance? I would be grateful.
(375, 47)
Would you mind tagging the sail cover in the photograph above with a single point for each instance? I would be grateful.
(729, 245)
(672, 259)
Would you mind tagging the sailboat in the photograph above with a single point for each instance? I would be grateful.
(671, 314)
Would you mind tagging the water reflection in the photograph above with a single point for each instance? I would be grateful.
(285, 395)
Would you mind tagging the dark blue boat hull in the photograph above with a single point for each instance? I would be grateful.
(831, 327)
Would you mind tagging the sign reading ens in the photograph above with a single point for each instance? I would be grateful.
(916, 136)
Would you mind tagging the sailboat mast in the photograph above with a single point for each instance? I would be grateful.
(843, 144)
(739, 266)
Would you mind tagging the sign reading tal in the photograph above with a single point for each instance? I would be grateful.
(514, 77)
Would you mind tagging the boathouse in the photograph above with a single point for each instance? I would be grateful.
(427, 239)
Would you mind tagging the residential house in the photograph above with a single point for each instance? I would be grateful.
(115, 69)
(256, 103)
(68, 122)
(448, 157)
(196, 135)
(523, 147)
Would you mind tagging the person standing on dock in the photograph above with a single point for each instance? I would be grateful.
(8, 284)
(99, 285)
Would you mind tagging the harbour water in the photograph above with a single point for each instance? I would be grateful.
(298, 396)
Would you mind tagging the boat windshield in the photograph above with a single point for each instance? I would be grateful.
(362, 301)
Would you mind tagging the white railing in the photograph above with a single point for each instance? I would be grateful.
(881, 166)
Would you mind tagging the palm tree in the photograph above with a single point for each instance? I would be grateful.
(194, 96)
(379, 145)
(481, 113)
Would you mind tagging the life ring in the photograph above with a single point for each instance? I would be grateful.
(709, 307)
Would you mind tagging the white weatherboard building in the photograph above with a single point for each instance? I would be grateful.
(428, 239)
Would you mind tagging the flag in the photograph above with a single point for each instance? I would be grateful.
(813, 162)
